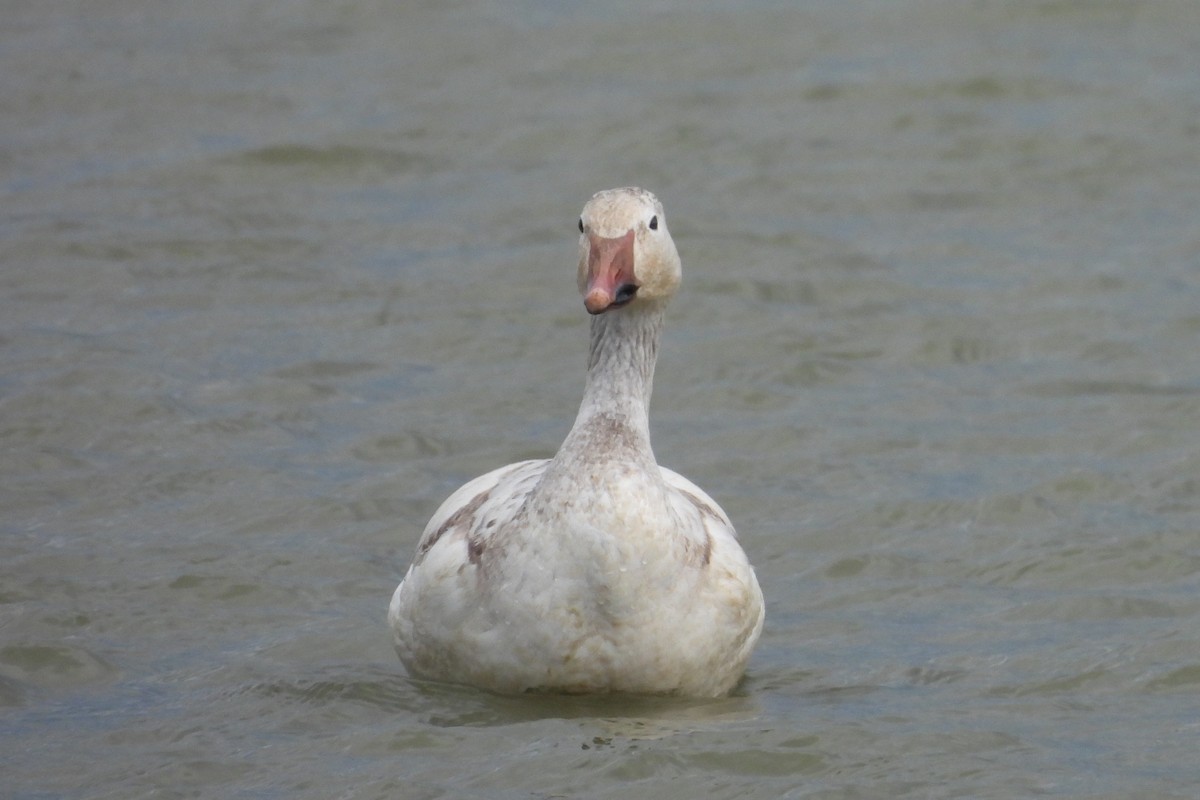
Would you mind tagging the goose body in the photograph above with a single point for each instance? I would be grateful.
(596, 570)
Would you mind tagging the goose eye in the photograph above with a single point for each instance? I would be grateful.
(581, 224)
(654, 223)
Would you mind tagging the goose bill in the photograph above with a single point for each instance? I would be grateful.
(610, 272)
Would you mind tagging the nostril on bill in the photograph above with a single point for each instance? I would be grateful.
(625, 293)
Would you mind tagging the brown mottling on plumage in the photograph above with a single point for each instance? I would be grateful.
(697, 554)
(475, 550)
(703, 507)
(610, 437)
(612, 432)
(705, 554)
(463, 518)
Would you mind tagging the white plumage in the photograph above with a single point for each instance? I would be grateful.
(596, 570)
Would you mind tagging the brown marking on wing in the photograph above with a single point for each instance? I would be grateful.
(464, 518)
(694, 551)
(696, 554)
(475, 549)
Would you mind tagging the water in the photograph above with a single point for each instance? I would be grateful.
(276, 277)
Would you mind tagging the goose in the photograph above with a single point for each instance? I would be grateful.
(597, 570)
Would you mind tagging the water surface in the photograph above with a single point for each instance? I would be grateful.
(276, 277)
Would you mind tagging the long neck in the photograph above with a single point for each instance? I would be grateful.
(613, 418)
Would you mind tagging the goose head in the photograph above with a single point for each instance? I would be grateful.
(626, 254)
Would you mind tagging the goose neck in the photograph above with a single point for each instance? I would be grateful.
(624, 349)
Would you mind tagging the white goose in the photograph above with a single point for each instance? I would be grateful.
(596, 570)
